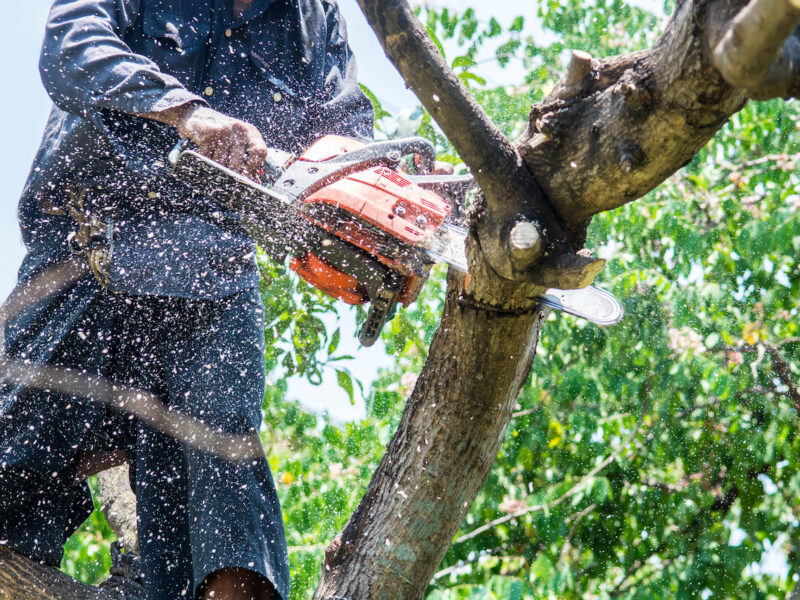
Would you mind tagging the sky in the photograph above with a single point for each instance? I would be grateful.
(24, 108)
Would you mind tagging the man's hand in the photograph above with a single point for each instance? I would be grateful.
(230, 142)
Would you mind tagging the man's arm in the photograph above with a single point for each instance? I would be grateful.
(85, 67)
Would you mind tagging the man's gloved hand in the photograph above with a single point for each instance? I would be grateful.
(228, 141)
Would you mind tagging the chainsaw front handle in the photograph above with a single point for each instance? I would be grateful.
(391, 152)
(271, 169)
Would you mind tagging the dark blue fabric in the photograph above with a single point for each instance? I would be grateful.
(283, 66)
(184, 268)
(198, 512)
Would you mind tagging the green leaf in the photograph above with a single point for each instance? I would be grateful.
(335, 339)
(463, 62)
(518, 24)
(506, 51)
(495, 28)
(346, 383)
(432, 33)
(466, 77)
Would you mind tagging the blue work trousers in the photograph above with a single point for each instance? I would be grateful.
(197, 512)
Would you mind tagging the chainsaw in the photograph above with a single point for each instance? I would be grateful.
(356, 226)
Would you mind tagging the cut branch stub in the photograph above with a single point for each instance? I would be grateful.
(526, 244)
(523, 252)
(576, 79)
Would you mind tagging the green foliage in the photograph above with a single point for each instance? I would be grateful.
(87, 554)
(655, 459)
(321, 471)
(298, 342)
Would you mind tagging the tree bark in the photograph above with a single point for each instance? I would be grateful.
(439, 457)
(119, 505)
(639, 119)
(23, 579)
(755, 53)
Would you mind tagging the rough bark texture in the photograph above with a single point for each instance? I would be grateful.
(639, 119)
(755, 53)
(439, 457)
(119, 505)
(23, 579)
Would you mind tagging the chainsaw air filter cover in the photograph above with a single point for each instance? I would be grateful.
(379, 212)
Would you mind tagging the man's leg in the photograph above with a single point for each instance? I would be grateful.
(210, 357)
(41, 435)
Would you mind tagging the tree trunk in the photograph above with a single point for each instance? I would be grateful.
(607, 136)
(439, 457)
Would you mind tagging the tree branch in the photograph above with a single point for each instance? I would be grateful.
(755, 53)
(512, 195)
(119, 505)
(23, 579)
(637, 119)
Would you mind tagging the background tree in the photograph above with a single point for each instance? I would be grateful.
(654, 459)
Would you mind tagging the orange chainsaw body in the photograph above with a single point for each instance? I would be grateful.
(386, 206)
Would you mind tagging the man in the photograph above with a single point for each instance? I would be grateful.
(167, 302)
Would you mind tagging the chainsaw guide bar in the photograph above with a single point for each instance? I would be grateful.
(357, 228)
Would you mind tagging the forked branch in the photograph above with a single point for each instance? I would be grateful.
(511, 192)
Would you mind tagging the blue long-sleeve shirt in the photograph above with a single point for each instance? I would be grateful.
(283, 65)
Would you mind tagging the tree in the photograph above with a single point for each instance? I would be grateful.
(607, 134)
